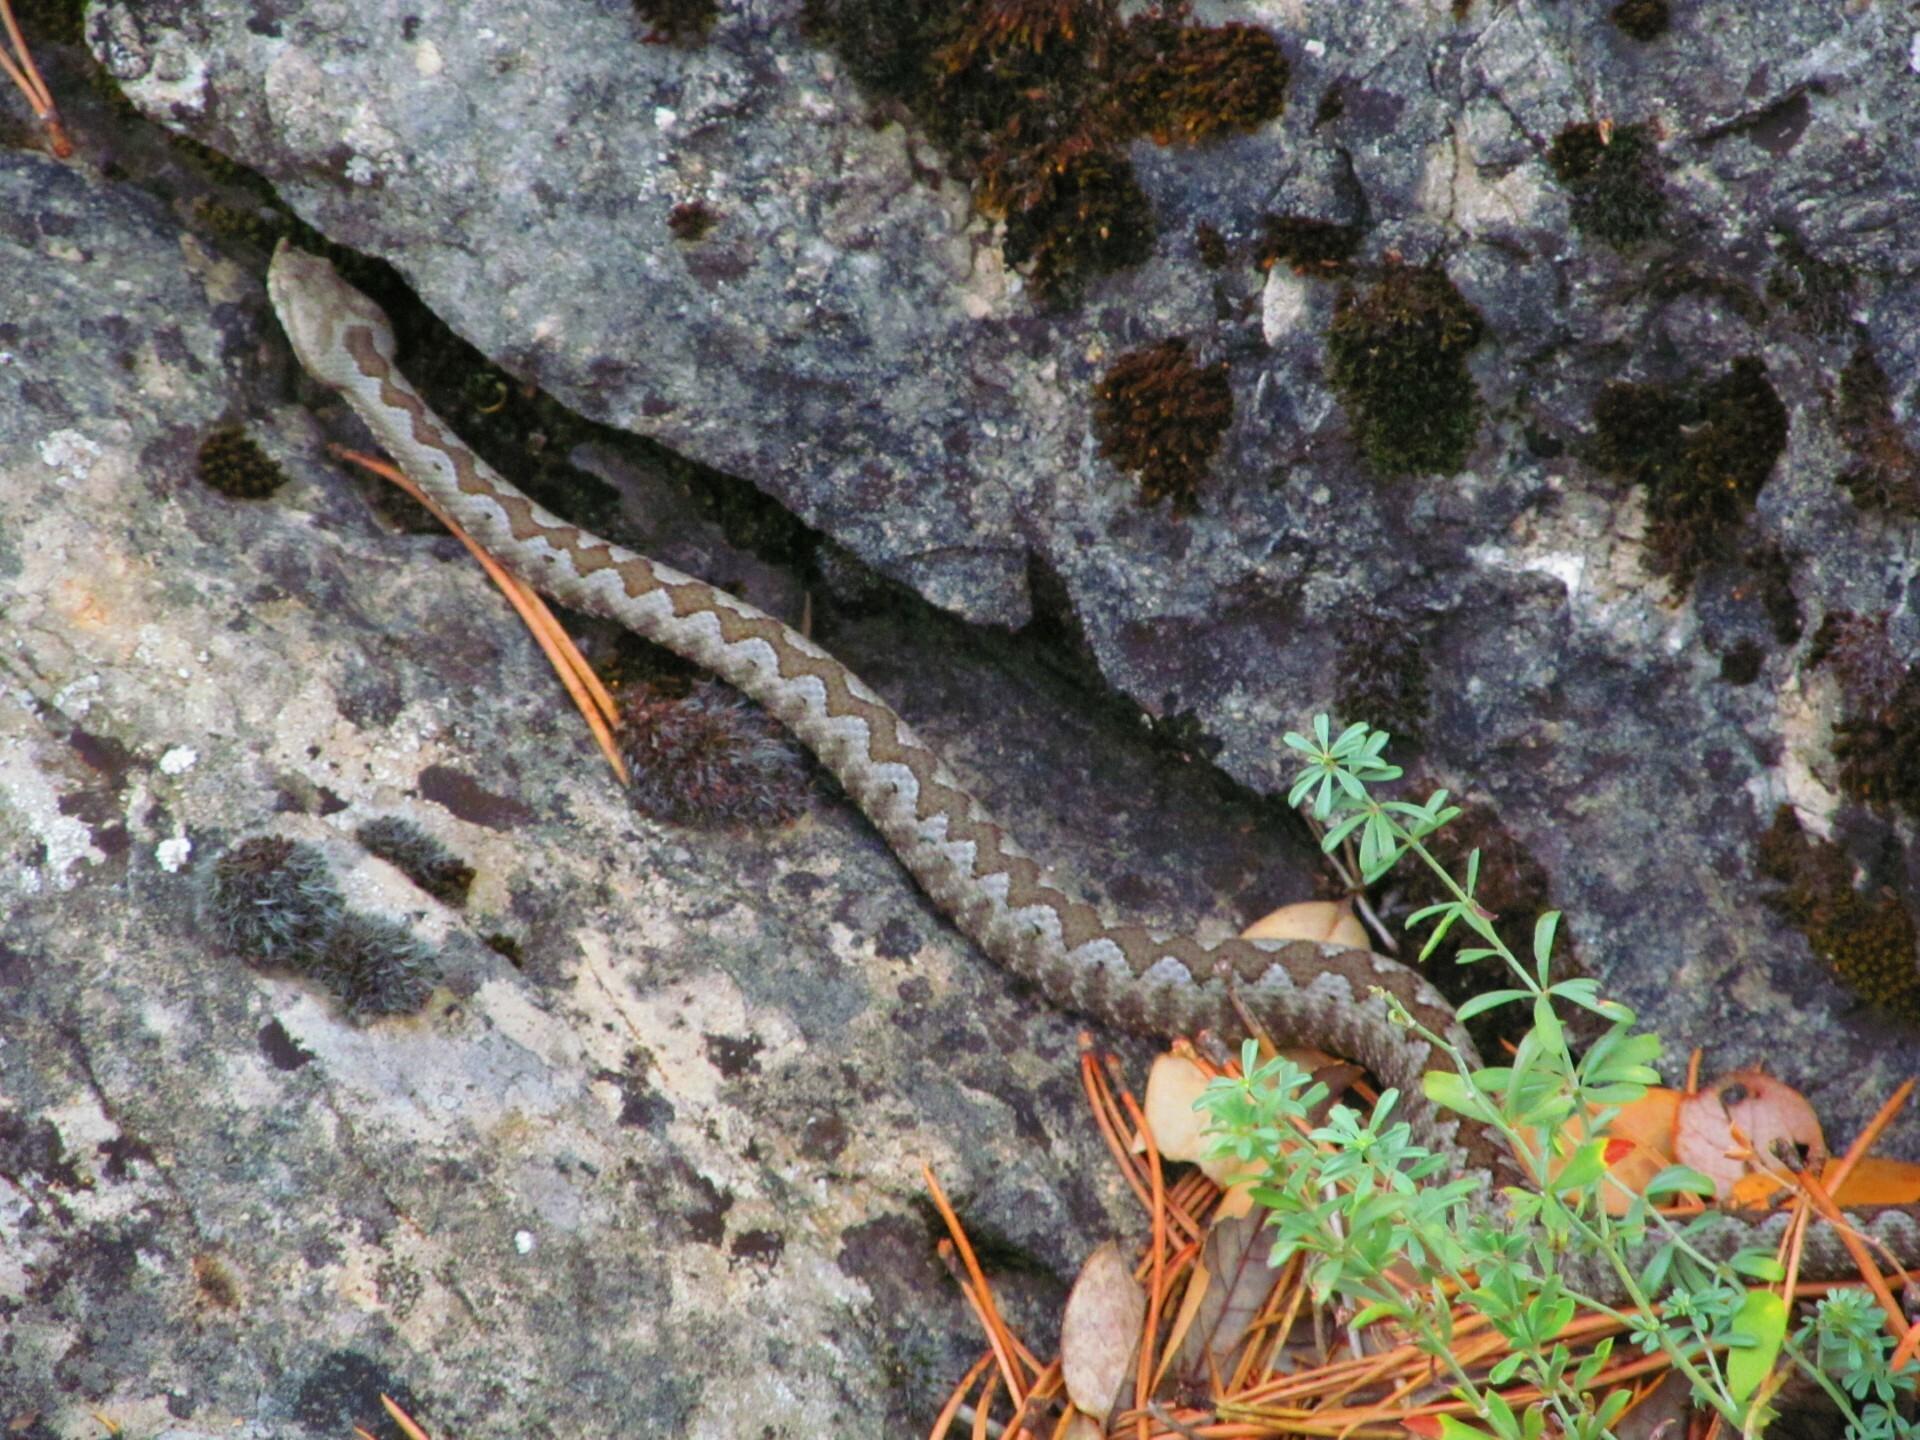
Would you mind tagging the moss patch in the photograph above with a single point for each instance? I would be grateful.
(1701, 452)
(1397, 355)
(709, 758)
(1158, 414)
(677, 21)
(1034, 102)
(418, 856)
(1613, 176)
(1641, 19)
(1888, 475)
(233, 464)
(1311, 247)
(1819, 291)
(1866, 936)
(1383, 678)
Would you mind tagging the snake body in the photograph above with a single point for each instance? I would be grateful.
(1129, 976)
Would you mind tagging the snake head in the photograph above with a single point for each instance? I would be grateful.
(317, 308)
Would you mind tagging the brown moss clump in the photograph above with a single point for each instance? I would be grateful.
(1701, 453)
(691, 220)
(1160, 415)
(1888, 475)
(1642, 19)
(1868, 939)
(234, 465)
(1613, 176)
(418, 856)
(1310, 246)
(1397, 355)
(1034, 102)
(1878, 748)
(1193, 83)
(709, 758)
(677, 21)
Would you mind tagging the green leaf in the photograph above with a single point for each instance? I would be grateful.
(1762, 1321)
(1757, 1264)
(1678, 1180)
(1587, 1165)
(1448, 1090)
(1492, 1000)
(1454, 1429)
(1610, 1408)
(1379, 1310)
(1506, 1369)
(1543, 929)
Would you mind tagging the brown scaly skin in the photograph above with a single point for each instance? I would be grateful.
(1137, 979)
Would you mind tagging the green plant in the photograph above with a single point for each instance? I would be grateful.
(1368, 1210)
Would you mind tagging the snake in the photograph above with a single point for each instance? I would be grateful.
(1343, 1000)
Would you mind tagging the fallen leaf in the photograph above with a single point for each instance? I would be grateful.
(1174, 1085)
(1323, 921)
(1778, 1130)
(1100, 1331)
(1081, 1426)
(1234, 1260)
(1876, 1181)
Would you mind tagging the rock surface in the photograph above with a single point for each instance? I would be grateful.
(662, 1174)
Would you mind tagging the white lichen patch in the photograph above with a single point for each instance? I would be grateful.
(70, 455)
(178, 760)
(30, 804)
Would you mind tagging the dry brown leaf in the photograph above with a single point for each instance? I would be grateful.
(1234, 1259)
(1100, 1331)
(1322, 921)
(1778, 1129)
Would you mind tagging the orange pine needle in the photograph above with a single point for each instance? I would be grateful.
(990, 1319)
(20, 69)
(583, 686)
(402, 1419)
(943, 1422)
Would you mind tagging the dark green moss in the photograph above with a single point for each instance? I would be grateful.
(1159, 415)
(1702, 453)
(271, 900)
(1642, 19)
(233, 464)
(375, 967)
(1310, 246)
(1383, 678)
(1035, 101)
(1613, 176)
(1819, 291)
(52, 22)
(418, 856)
(1867, 938)
(677, 21)
(1888, 475)
(1210, 245)
(691, 220)
(1397, 355)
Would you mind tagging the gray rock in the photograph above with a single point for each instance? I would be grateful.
(680, 1140)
